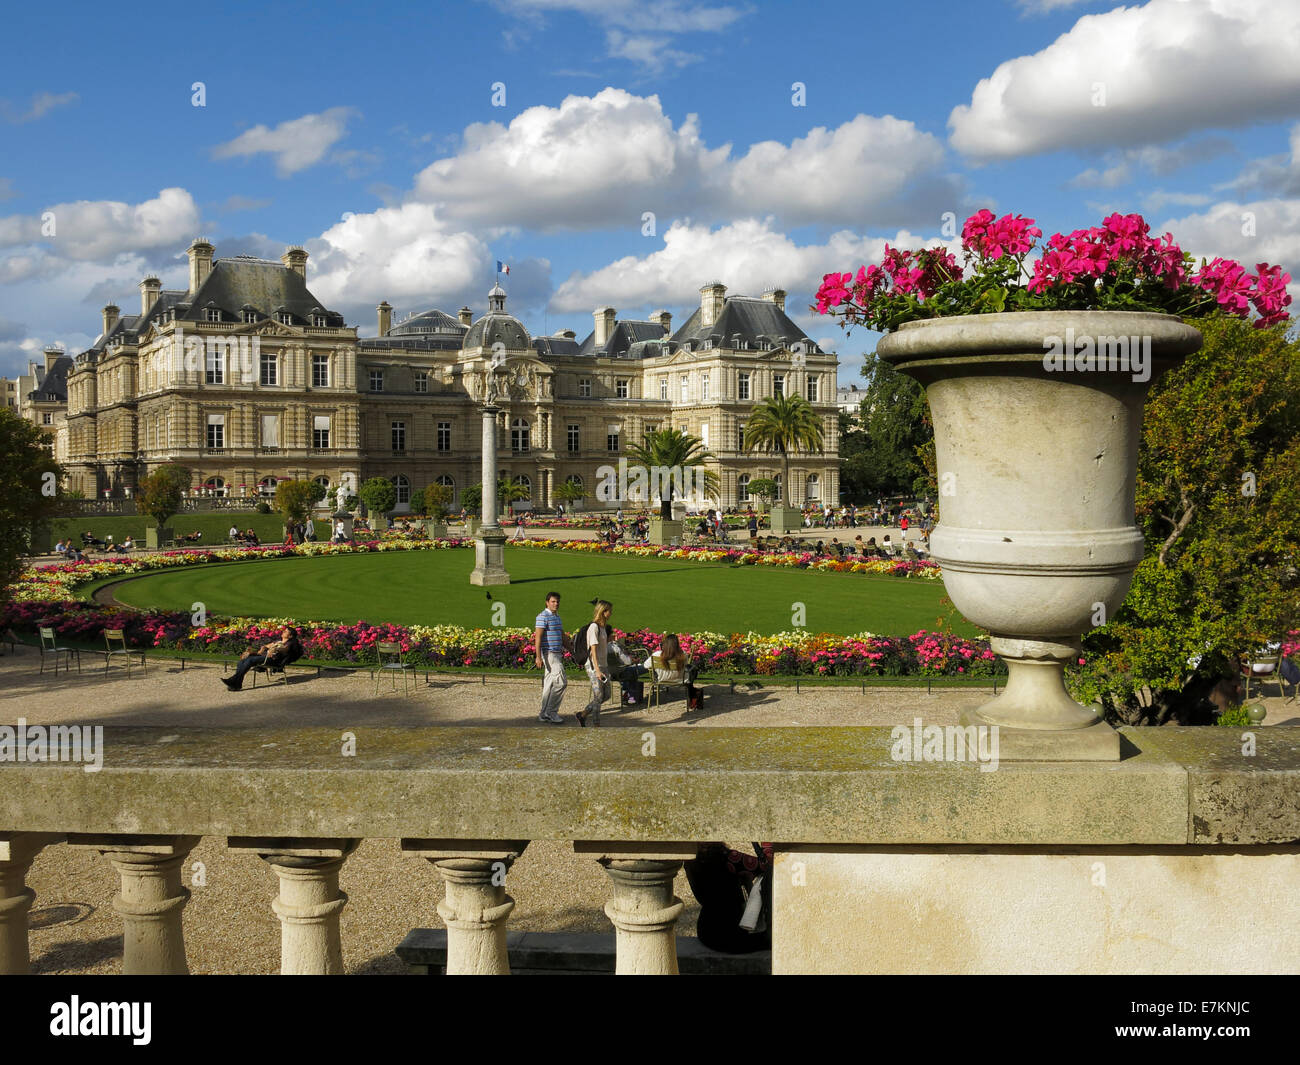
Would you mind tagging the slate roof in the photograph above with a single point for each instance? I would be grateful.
(751, 319)
(53, 387)
(265, 285)
(626, 333)
(433, 321)
(555, 346)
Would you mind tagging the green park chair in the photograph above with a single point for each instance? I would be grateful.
(50, 649)
(390, 659)
(115, 648)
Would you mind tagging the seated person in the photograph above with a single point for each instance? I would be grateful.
(886, 546)
(629, 671)
(250, 538)
(233, 534)
(271, 656)
(89, 541)
(194, 537)
(61, 547)
(128, 544)
(672, 666)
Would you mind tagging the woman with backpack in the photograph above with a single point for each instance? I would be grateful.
(595, 656)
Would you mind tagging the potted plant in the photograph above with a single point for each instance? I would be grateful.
(1036, 381)
(159, 496)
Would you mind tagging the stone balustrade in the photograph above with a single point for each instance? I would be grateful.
(882, 865)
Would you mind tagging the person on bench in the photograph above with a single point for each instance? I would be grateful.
(672, 666)
(271, 656)
(89, 541)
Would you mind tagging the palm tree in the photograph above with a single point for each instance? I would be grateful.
(511, 491)
(783, 424)
(569, 492)
(666, 455)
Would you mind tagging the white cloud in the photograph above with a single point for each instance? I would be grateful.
(296, 144)
(1165, 69)
(98, 230)
(1155, 160)
(1043, 7)
(604, 160)
(748, 256)
(1278, 174)
(1257, 231)
(42, 104)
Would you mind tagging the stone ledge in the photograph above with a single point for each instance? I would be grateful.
(788, 785)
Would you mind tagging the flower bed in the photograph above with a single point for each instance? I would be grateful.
(747, 557)
(738, 654)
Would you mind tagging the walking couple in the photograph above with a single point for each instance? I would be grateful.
(591, 647)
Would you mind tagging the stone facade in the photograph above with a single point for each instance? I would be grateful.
(245, 379)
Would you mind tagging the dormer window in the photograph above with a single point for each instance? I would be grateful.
(214, 314)
(318, 320)
(285, 318)
(250, 316)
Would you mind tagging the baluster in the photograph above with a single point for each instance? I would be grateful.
(476, 905)
(17, 850)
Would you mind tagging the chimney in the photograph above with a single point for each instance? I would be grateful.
(149, 289)
(777, 296)
(385, 318)
(295, 259)
(605, 317)
(110, 318)
(712, 297)
(664, 319)
(466, 317)
(52, 355)
(200, 253)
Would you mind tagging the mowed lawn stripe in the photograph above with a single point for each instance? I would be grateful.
(432, 588)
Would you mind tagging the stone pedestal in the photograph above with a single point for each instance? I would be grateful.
(151, 899)
(664, 532)
(378, 523)
(476, 905)
(489, 558)
(786, 520)
(435, 530)
(642, 906)
(309, 903)
(155, 537)
(17, 850)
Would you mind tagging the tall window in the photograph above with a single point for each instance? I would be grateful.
(686, 388)
(704, 434)
(620, 388)
(611, 438)
(704, 387)
(270, 369)
(215, 373)
(742, 487)
(780, 488)
(376, 380)
(663, 388)
(444, 436)
(813, 488)
(216, 430)
(575, 439)
(422, 380)
(320, 431)
(584, 388)
(778, 384)
(320, 371)
(399, 436)
(403, 487)
(519, 435)
(740, 436)
(812, 389)
(742, 386)
(271, 430)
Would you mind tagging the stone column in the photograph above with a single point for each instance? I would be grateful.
(489, 544)
(17, 850)
(151, 899)
(309, 902)
(643, 908)
(476, 905)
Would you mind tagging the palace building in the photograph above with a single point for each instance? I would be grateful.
(246, 379)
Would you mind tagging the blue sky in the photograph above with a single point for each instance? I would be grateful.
(372, 137)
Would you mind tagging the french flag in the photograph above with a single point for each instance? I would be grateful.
(502, 268)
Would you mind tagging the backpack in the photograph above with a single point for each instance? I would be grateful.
(580, 645)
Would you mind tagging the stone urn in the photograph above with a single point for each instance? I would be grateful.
(1037, 424)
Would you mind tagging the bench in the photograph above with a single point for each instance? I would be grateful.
(424, 950)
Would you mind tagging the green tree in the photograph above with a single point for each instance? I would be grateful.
(665, 455)
(888, 456)
(569, 492)
(1218, 501)
(471, 497)
(294, 500)
(434, 500)
(379, 494)
(159, 495)
(29, 479)
(783, 424)
(511, 491)
(765, 488)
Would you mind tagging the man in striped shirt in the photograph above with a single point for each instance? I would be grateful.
(551, 642)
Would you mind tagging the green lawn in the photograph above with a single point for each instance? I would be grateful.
(213, 526)
(432, 587)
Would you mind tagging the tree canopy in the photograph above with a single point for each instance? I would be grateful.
(159, 495)
(379, 494)
(29, 479)
(672, 450)
(294, 499)
(782, 424)
(884, 457)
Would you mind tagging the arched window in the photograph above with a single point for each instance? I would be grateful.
(519, 435)
(813, 489)
(324, 482)
(215, 486)
(742, 486)
(403, 487)
(266, 487)
(574, 480)
(526, 484)
(447, 481)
